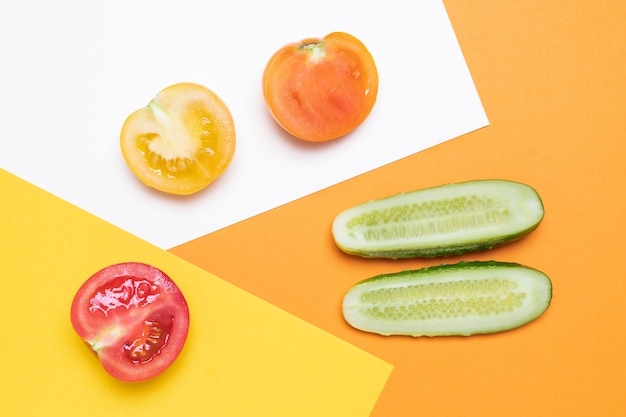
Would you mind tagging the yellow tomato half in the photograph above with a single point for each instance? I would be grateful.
(321, 89)
(182, 141)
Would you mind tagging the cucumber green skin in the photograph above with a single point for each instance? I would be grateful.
(450, 248)
(438, 269)
(441, 251)
(433, 272)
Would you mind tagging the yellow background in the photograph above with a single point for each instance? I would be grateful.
(243, 356)
(552, 78)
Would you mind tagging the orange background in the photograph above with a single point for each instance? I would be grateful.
(552, 78)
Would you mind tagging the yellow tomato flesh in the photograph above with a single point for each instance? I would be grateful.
(321, 89)
(182, 141)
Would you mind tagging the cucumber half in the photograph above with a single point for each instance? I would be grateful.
(440, 221)
(460, 299)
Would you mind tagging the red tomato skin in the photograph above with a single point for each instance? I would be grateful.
(320, 89)
(107, 324)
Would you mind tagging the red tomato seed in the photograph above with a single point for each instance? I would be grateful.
(153, 338)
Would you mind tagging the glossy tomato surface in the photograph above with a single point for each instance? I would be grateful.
(321, 89)
(182, 141)
(134, 317)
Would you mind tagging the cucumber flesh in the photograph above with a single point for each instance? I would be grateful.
(460, 299)
(440, 221)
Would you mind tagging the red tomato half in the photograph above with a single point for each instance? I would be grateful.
(134, 317)
(321, 89)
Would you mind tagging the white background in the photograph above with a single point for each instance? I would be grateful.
(72, 71)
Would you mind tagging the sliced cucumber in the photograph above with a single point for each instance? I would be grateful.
(447, 220)
(449, 300)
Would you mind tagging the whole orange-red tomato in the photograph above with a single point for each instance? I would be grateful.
(321, 89)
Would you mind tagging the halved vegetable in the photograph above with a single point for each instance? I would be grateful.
(447, 220)
(460, 299)
(320, 89)
(182, 141)
(134, 318)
